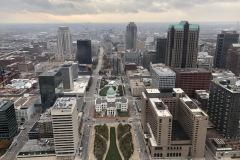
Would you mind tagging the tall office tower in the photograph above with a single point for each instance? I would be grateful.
(161, 50)
(224, 41)
(233, 59)
(174, 126)
(131, 36)
(182, 45)
(65, 127)
(84, 53)
(64, 42)
(107, 45)
(191, 79)
(223, 108)
(67, 76)
(45, 129)
(8, 121)
(75, 70)
(162, 76)
(48, 81)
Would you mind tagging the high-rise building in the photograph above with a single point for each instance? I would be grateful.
(224, 41)
(162, 76)
(48, 81)
(148, 58)
(161, 50)
(204, 61)
(233, 59)
(131, 36)
(174, 126)
(64, 42)
(84, 53)
(182, 45)
(223, 108)
(8, 121)
(65, 127)
(67, 76)
(107, 45)
(191, 79)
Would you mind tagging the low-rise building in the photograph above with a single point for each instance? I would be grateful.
(137, 74)
(220, 75)
(111, 104)
(38, 150)
(138, 86)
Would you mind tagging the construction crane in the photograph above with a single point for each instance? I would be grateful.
(4, 82)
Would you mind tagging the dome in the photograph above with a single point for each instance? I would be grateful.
(110, 91)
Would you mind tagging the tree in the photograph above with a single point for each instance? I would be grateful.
(5, 144)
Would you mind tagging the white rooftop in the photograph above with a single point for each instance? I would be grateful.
(64, 103)
(160, 113)
(152, 90)
(161, 69)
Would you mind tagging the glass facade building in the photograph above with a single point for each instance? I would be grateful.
(8, 121)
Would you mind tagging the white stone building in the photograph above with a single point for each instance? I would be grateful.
(111, 103)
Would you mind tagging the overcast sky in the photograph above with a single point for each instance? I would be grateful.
(77, 11)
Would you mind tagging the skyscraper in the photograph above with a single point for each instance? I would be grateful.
(84, 53)
(233, 59)
(223, 108)
(161, 49)
(64, 42)
(48, 81)
(8, 121)
(224, 41)
(131, 36)
(67, 76)
(107, 45)
(182, 45)
(65, 127)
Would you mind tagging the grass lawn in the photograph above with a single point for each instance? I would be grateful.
(122, 114)
(113, 153)
(103, 91)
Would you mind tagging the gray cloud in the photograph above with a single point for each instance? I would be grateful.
(75, 7)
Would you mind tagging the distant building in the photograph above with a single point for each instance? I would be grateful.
(148, 58)
(224, 41)
(8, 122)
(181, 49)
(130, 66)
(191, 79)
(120, 48)
(140, 45)
(67, 76)
(174, 126)
(35, 48)
(138, 73)
(65, 118)
(204, 61)
(223, 108)
(64, 42)
(132, 57)
(233, 59)
(48, 81)
(95, 46)
(84, 53)
(137, 86)
(131, 36)
(108, 45)
(25, 66)
(201, 47)
(162, 76)
(161, 50)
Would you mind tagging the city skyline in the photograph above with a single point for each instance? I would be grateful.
(72, 11)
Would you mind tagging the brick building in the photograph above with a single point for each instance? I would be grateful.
(191, 79)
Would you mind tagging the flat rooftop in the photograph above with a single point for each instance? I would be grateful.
(137, 83)
(64, 103)
(137, 73)
(178, 132)
(24, 102)
(37, 147)
(4, 104)
(161, 69)
(51, 72)
(152, 91)
(161, 111)
(190, 70)
(197, 111)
